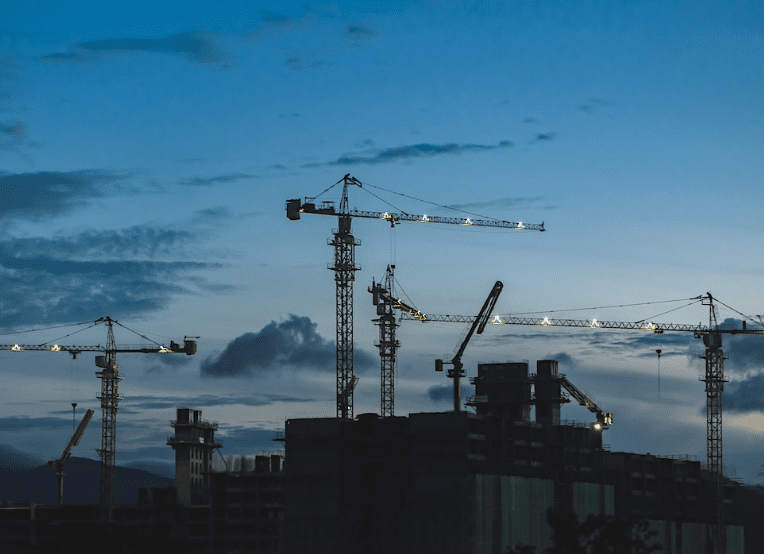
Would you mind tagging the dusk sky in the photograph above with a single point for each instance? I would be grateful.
(147, 150)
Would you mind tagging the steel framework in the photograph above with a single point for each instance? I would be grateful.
(344, 267)
(109, 397)
(387, 344)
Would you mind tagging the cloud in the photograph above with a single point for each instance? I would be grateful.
(209, 215)
(358, 31)
(145, 402)
(197, 46)
(744, 353)
(12, 135)
(65, 57)
(543, 137)
(137, 241)
(209, 181)
(506, 202)
(564, 360)
(372, 157)
(445, 393)
(40, 195)
(277, 19)
(293, 342)
(745, 395)
(593, 105)
(94, 273)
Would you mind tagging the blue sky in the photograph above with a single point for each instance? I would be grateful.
(146, 152)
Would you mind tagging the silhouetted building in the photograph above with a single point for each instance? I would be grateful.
(458, 482)
(246, 507)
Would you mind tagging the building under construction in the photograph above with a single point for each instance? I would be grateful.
(461, 482)
(485, 482)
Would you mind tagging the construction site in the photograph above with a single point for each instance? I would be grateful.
(501, 472)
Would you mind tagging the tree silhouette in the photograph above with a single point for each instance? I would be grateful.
(594, 535)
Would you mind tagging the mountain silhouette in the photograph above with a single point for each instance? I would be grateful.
(22, 482)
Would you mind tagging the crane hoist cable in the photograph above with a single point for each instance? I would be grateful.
(344, 266)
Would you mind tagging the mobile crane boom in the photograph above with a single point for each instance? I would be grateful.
(57, 466)
(478, 325)
(603, 418)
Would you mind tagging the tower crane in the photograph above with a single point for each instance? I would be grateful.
(109, 396)
(344, 268)
(714, 356)
(386, 303)
(713, 378)
(57, 466)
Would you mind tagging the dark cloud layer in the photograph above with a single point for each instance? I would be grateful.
(144, 402)
(358, 31)
(217, 179)
(12, 134)
(411, 151)
(445, 393)
(744, 395)
(196, 46)
(293, 342)
(143, 241)
(45, 194)
(94, 273)
(506, 202)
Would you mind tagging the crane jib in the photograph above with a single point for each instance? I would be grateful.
(295, 207)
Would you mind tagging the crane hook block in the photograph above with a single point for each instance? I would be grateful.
(293, 208)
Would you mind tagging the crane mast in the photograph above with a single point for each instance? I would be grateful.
(109, 376)
(387, 344)
(344, 268)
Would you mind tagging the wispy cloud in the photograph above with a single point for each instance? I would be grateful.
(86, 275)
(593, 105)
(141, 403)
(445, 393)
(196, 46)
(217, 179)
(44, 194)
(12, 135)
(388, 155)
(506, 202)
(358, 31)
(65, 57)
(138, 241)
(294, 342)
